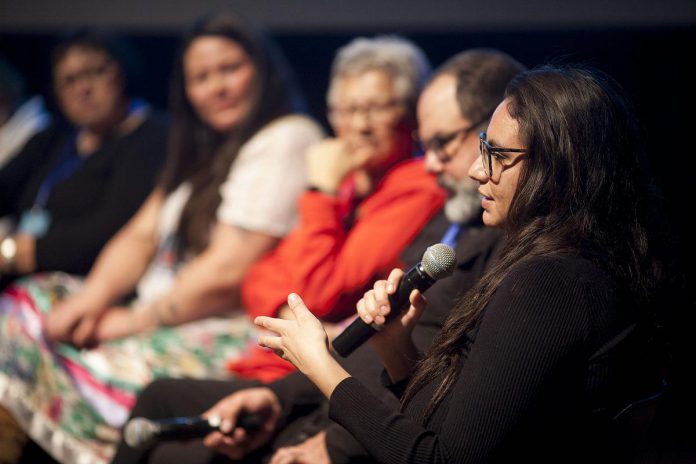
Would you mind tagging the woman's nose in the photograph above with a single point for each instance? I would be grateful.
(477, 172)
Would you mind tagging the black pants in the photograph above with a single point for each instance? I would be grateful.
(174, 398)
(169, 398)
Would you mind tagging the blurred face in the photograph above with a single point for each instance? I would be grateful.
(219, 74)
(449, 150)
(89, 88)
(370, 118)
(498, 189)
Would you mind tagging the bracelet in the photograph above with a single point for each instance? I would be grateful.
(154, 310)
(149, 314)
(163, 312)
(145, 316)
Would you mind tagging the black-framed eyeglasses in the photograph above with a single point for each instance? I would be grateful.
(437, 143)
(489, 152)
(90, 73)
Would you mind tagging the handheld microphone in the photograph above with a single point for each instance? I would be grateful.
(439, 261)
(140, 432)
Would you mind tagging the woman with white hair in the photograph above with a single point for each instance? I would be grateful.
(352, 178)
(366, 199)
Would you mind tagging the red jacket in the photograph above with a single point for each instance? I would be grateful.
(330, 266)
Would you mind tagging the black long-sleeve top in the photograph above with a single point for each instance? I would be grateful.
(556, 354)
(90, 205)
(476, 249)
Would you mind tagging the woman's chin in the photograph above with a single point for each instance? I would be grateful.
(491, 220)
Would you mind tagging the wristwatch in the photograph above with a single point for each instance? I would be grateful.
(8, 251)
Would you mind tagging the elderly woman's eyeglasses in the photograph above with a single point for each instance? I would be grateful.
(494, 155)
(374, 112)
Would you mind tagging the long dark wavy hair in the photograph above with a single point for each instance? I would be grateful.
(583, 189)
(199, 154)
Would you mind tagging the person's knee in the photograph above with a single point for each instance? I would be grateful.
(154, 401)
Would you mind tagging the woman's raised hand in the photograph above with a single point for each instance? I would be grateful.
(304, 343)
(301, 341)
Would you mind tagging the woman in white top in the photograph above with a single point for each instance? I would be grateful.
(227, 195)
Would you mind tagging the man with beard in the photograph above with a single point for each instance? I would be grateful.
(454, 107)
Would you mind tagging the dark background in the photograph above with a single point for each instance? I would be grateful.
(649, 47)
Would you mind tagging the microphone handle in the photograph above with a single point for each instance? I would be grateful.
(358, 332)
(185, 428)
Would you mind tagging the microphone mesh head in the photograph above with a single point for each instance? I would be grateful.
(439, 261)
(138, 431)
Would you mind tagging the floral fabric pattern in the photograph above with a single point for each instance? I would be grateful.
(73, 401)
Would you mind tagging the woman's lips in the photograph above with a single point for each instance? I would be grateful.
(485, 200)
(223, 104)
(224, 107)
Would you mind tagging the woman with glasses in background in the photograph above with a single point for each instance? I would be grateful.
(163, 294)
(539, 358)
(76, 183)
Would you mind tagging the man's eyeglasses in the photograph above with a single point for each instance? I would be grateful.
(436, 144)
(491, 154)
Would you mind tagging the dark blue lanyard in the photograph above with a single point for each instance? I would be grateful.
(452, 234)
(68, 162)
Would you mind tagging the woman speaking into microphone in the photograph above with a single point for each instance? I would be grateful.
(538, 359)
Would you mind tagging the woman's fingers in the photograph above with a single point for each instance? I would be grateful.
(374, 305)
(393, 280)
(273, 343)
(418, 304)
(381, 301)
(417, 300)
(370, 308)
(83, 332)
(298, 307)
(213, 439)
(300, 340)
(370, 303)
(380, 294)
(60, 324)
(278, 326)
(363, 312)
(272, 323)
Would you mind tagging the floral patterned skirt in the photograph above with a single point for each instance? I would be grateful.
(73, 402)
